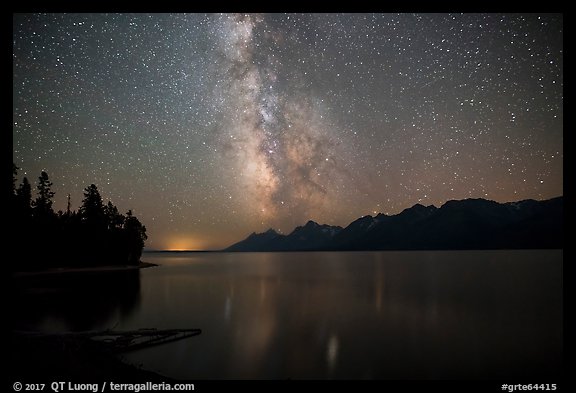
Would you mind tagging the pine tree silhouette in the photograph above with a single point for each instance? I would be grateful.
(43, 202)
(95, 235)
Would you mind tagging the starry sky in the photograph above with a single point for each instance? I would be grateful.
(213, 126)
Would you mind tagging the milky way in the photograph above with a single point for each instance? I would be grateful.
(213, 126)
(284, 158)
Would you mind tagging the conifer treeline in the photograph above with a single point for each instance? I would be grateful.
(95, 235)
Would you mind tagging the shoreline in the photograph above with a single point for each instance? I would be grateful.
(91, 269)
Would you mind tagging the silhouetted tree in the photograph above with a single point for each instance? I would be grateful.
(68, 206)
(43, 202)
(43, 228)
(21, 212)
(92, 209)
(13, 201)
(14, 174)
(97, 234)
(24, 200)
(136, 234)
(114, 218)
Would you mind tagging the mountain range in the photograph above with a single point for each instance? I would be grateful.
(458, 224)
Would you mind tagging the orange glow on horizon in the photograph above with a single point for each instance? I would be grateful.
(184, 244)
(191, 241)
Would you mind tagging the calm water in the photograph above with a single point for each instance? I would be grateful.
(357, 315)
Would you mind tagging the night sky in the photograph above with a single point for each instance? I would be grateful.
(211, 127)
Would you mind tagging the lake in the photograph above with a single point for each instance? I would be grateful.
(330, 315)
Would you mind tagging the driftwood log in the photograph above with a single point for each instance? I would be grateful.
(121, 341)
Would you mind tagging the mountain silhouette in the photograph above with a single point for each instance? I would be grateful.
(456, 225)
(309, 237)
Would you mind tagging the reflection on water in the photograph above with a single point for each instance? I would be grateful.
(365, 315)
(399, 315)
(332, 352)
(75, 301)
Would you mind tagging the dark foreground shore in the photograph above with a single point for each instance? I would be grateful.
(84, 295)
(70, 358)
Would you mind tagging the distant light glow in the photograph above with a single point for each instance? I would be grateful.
(183, 244)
